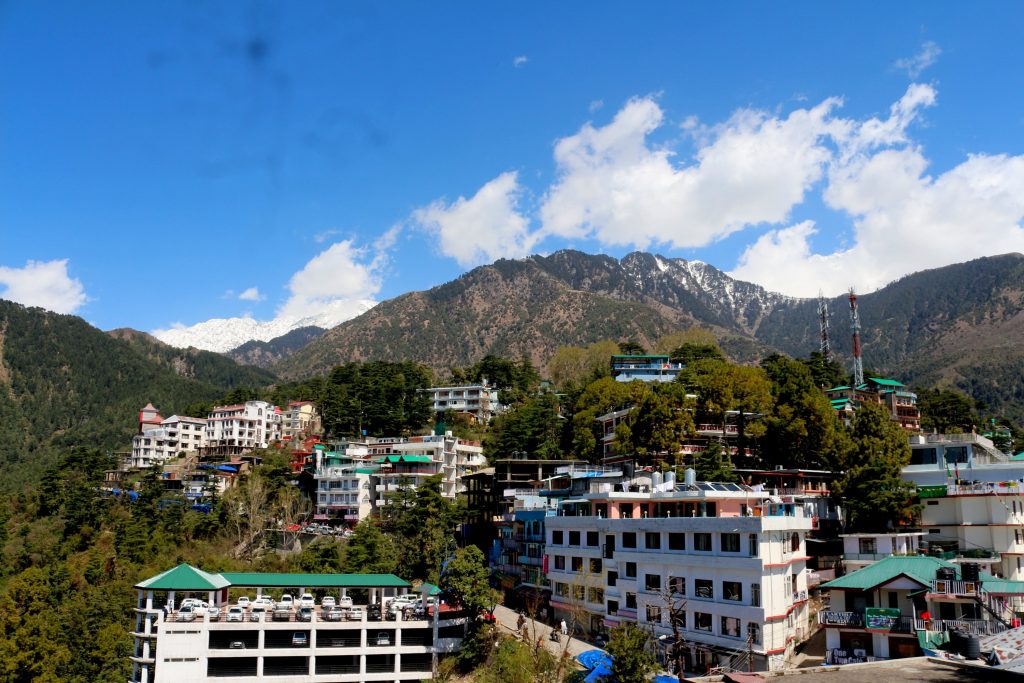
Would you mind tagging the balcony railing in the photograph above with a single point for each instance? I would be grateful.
(957, 588)
(978, 627)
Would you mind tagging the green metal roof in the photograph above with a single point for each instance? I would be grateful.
(187, 578)
(994, 585)
(920, 568)
(430, 588)
(184, 578)
(405, 458)
(886, 382)
(257, 579)
(365, 470)
(837, 388)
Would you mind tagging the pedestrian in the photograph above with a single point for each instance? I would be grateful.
(565, 628)
(521, 622)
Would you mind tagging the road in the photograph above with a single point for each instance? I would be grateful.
(507, 619)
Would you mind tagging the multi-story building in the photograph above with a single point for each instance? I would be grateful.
(407, 462)
(726, 563)
(299, 420)
(237, 429)
(881, 611)
(645, 368)
(727, 435)
(862, 549)
(175, 644)
(900, 401)
(161, 439)
(478, 401)
(345, 483)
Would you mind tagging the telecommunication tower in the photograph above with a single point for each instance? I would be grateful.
(858, 363)
(826, 350)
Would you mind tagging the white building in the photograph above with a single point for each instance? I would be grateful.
(345, 483)
(237, 429)
(728, 561)
(860, 550)
(480, 401)
(174, 435)
(174, 646)
(407, 462)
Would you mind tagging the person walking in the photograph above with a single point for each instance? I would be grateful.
(565, 628)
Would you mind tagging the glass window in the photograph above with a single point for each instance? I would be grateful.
(631, 570)
(730, 543)
(595, 565)
(702, 621)
(592, 539)
(596, 595)
(577, 564)
(579, 592)
(732, 590)
(677, 584)
(731, 627)
(574, 538)
(629, 540)
(753, 547)
(560, 562)
(557, 537)
(702, 542)
(613, 578)
(562, 589)
(652, 582)
(652, 540)
(613, 607)
(867, 546)
(676, 541)
(630, 600)
(653, 614)
(755, 594)
(704, 588)
(754, 632)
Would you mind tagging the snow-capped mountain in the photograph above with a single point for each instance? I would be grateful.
(225, 334)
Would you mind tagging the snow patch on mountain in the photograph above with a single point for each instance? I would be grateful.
(224, 334)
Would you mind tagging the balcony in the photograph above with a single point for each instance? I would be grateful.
(978, 627)
(956, 589)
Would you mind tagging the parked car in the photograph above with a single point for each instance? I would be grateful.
(213, 612)
(236, 613)
(237, 645)
(373, 612)
(186, 614)
(307, 600)
(335, 614)
(300, 639)
(345, 601)
(402, 601)
(328, 601)
(282, 613)
(266, 602)
(286, 602)
(357, 614)
(383, 638)
(258, 613)
(243, 601)
(305, 614)
(194, 603)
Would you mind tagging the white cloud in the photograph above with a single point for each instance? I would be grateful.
(45, 284)
(485, 227)
(595, 105)
(325, 235)
(926, 56)
(336, 278)
(615, 187)
(251, 294)
(520, 61)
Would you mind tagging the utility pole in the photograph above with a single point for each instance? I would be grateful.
(858, 363)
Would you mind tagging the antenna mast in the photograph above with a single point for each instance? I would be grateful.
(826, 350)
(858, 363)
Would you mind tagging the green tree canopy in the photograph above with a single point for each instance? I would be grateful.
(632, 661)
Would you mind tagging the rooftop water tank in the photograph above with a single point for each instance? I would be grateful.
(690, 476)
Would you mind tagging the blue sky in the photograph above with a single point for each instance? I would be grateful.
(169, 163)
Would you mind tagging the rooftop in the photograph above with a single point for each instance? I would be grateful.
(185, 577)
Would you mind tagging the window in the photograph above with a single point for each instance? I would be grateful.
(596, 595)
(1016, 534)
(579, 592)
(730, 543)
(595, 565)
(787, 585)
(652, 540)
(557, 537)
(652, 582)
(677, 585)
(732, 590)
(613, 578)
(653, 614)
(755, 594)
(629, 540)
(704, 588)
(676, 541)
(613, 607)
(702, 621)
(631, 570)
(894, 602)
(753, 548)
(630, 600)
(702, 542)
(794, 542)
(626, 510)
(577, 564)
(562, 590)
(754, 632)
(560, 563)
(574, 539)
(731, 627)
(592, 539)
(867, 546)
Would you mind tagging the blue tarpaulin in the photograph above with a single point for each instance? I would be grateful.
(665, 679)
(227, 468)
(598, 674)
(592, 659)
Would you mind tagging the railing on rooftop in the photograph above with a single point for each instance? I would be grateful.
(978, 627)
(586, 469)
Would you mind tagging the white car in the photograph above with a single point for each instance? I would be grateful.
(193, 603)
(265, 602)
(186, 614)
(401, 602)
(213, 612)
(345, 602)
(286, 602)
(356, 614)
(307, 600)
(243, 601)
(328, 602)
(236, 613)
(258, 613)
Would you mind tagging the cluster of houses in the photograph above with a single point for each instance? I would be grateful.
(728, 575)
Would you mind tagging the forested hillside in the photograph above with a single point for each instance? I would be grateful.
(64, 383)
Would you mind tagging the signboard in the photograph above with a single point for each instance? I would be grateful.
(880, 618)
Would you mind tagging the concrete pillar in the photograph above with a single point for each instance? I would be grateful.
(149, 599)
